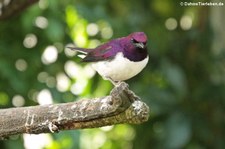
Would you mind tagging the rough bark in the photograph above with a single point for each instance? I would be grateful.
(121, 106)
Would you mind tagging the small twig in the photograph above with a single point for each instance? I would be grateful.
(121, 106)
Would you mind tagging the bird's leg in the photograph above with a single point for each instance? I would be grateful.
(115, 83)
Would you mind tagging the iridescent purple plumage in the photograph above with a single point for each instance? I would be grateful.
(126, 45)
(130, 53)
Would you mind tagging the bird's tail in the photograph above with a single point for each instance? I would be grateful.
(81, 50)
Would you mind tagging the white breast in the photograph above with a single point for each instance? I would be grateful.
(120, 68)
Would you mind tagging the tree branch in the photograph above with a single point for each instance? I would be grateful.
(11, 7)
(121, 106)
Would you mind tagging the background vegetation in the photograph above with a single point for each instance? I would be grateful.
(183, 82)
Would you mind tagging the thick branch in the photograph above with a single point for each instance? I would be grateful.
(12, 7)
(121, 106)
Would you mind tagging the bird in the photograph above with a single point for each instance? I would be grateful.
(119, 59)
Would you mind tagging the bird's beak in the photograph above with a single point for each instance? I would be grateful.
(140, 45)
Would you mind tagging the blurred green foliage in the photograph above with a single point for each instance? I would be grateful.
(183, 83)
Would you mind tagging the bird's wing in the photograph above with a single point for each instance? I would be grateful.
(100, 53)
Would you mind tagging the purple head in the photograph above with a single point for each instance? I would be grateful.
(135, 46)
(139, 39)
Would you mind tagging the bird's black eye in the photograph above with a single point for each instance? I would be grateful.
(133, 40)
